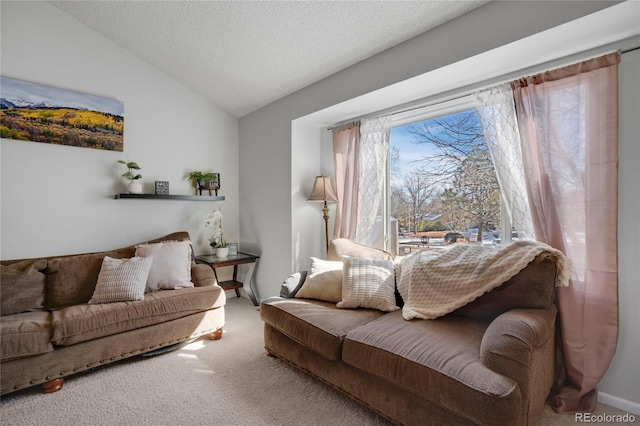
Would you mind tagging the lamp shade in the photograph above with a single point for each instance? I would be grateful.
(322, 190)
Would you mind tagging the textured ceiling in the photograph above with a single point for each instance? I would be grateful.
(243, 55)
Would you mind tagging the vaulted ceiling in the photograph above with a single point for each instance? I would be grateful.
(243, 55)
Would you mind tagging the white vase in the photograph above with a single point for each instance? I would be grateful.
(135, 186)
(222, 251)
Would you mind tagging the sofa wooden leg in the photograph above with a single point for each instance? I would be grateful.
(271, 354)
(216, 335)
(52, 385)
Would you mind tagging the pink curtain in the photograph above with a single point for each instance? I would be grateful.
(568, 121)
(346, 142)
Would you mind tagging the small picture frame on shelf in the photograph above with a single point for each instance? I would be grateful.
(233, 249)
(162, 187)
(215, 182)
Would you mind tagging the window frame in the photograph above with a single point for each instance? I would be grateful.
(416, 115)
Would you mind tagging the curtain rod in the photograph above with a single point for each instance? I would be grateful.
(631, 49)
(436, 103)
(394, 112)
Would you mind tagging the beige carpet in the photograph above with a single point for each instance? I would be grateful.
(225, 382)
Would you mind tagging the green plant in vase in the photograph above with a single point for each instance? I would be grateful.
(203, 180)
(135, 179)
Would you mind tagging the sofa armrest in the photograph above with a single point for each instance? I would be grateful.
(520, 344)
(513, 336)
(202, 275)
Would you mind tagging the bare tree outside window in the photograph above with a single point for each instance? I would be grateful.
(454, 180)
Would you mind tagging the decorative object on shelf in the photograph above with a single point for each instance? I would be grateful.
(217, 241)
(135, 179)
(135, 186)
(233, 249)
(214, 183)
(323, 191)
(162, 187)
(64, 117)
(205, 180)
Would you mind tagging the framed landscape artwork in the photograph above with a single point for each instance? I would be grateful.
(38, 113)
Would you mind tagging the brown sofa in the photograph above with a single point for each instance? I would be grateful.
(490, 362)
(49, 331)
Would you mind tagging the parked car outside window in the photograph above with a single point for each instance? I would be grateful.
(452, 237)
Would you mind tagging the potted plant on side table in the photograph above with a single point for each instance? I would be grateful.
(217, 241)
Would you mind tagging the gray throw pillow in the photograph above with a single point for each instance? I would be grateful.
(292, 284)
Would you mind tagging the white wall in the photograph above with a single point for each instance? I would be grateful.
(269, 146)
(622, 381)
(306, 217)
(60, 199)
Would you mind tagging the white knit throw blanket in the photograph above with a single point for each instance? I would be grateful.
(435, 283)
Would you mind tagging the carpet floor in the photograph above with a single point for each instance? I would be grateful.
(226, 382)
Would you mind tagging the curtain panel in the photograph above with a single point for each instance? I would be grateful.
(346, 150)
(497, 115)
(372, 170)
(568, 123)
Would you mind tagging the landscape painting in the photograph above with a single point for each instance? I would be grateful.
(39, 113)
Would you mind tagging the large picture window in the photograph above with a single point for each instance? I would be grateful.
(443, 187)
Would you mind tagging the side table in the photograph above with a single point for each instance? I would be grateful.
(233, 260)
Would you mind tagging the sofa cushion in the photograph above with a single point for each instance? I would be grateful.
(324, 281)
(171, 266)
(22, 286)
(25, 334)
(318, 325)
(84, 322)
(368, 283)
(71, 280)
(437, 360)
(533, 287)
(121, 279)
(344, 247)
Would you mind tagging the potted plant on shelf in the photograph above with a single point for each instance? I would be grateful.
(217, 241)
(134, 185)
(205, 180)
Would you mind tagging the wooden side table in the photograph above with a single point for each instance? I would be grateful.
(233, 260)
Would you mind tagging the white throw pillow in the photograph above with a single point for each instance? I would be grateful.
(121, 280)
(324, 281)
(368, 283)
(171, 266)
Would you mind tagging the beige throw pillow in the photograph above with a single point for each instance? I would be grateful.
(171, 266)
(121, 280)
(368, 283)
(324, 281)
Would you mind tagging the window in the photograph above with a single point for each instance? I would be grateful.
(443, 187)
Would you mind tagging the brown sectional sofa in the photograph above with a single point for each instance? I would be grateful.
(490, 362)
(49, 331)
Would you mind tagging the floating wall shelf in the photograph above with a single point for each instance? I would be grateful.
(171, 197)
